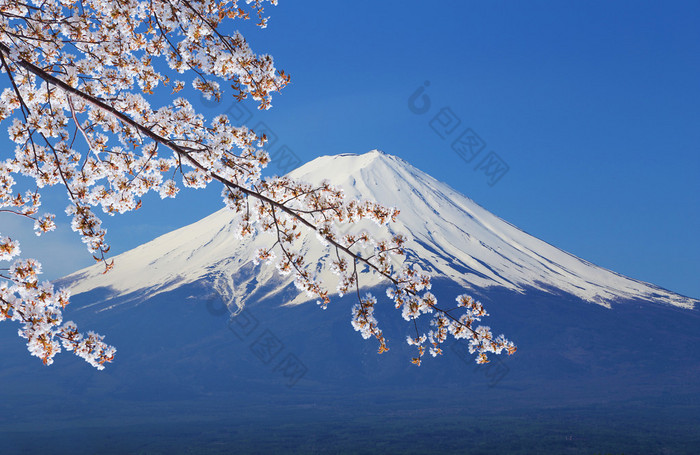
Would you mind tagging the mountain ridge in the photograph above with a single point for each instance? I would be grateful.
(460, 241)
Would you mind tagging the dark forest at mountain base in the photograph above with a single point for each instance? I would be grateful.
(615, 430)
(189, 379)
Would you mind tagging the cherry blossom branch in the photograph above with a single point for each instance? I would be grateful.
(117, 55)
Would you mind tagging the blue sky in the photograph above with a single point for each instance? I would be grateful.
(593, 106)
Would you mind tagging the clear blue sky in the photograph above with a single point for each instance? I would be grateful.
(594, 106)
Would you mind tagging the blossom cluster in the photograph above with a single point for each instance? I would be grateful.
(38, 308)
(285, 207)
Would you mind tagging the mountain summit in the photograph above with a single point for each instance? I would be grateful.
(450, 236)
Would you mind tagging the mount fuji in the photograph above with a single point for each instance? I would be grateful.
(450, 237)
(203, 334)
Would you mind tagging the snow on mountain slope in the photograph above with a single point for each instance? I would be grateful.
(451, 237)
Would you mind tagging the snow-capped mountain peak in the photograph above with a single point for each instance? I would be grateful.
(450, 236)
